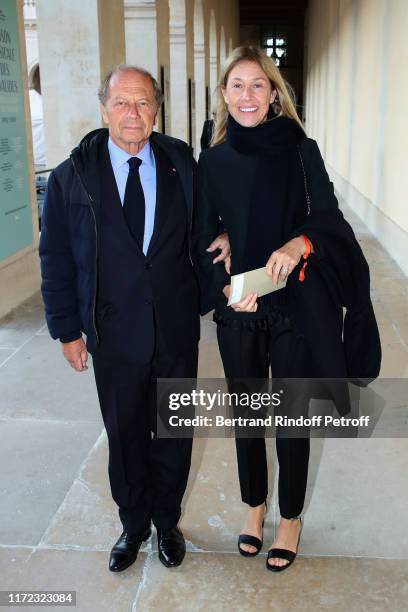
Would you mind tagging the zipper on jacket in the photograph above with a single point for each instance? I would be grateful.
(96, 245)
(190, 220)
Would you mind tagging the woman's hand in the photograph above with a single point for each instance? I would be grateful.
(248, 304)
(282, 261)
(222, 243)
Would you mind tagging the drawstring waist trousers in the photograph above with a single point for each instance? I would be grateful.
(248, 349)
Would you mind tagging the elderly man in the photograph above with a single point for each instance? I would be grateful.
(116, 266)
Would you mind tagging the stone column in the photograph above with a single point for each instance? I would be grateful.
(213, 81)
(178, 70)
(199, 74)
(141, 34)
(79, 41)
(213, 59)
(223, 46)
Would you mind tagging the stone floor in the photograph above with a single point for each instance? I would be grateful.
(58, 522)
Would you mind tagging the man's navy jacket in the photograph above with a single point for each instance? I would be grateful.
(69, 248)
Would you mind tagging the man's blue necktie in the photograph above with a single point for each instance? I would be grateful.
(134, 202)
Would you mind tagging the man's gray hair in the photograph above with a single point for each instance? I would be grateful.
(103, 93)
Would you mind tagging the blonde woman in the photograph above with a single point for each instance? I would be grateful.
(267, 182)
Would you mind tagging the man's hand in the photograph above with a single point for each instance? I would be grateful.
(222, 242)
(76, 354)
(284, 260)
(247, 304)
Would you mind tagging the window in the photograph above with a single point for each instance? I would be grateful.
(275, 46)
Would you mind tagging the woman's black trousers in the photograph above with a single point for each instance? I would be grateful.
(249, 353)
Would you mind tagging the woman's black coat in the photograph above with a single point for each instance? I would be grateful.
(337, 275)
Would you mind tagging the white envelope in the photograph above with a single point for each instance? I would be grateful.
(255, 281)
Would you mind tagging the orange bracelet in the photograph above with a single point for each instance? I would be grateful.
(305, 256)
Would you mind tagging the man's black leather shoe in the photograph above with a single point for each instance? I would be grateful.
(124, 552)
(172, 546)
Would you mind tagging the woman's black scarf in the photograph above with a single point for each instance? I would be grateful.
(278, 195)
(271, 137)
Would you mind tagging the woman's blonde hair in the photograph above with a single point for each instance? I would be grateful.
(284, 103)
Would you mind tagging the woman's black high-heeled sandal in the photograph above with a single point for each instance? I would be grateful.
(283, 553)
(244, 538)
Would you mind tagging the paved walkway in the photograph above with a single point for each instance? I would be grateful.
(58, 522)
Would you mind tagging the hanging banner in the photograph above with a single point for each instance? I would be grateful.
(16, 230)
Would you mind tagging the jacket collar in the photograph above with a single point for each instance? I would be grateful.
(85, 158)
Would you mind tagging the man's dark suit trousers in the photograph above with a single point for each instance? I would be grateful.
(148, 475)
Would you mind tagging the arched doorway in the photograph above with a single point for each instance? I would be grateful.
(37, 115)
